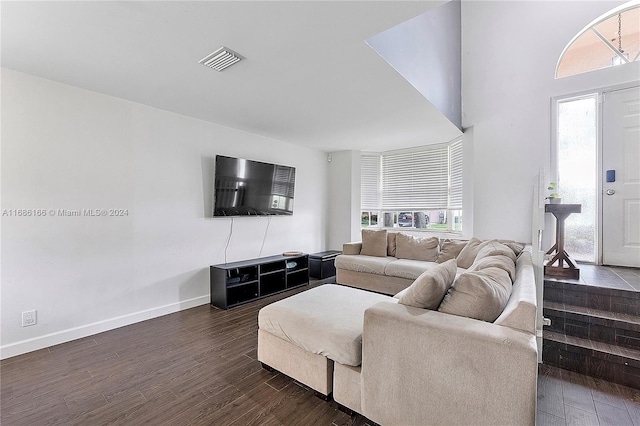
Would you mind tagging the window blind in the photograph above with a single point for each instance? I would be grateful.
(416, 180)
(370, 182)
(455, 176)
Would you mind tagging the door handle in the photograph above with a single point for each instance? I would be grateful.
(611, 191)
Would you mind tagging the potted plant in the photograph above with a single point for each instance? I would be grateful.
(554, 197)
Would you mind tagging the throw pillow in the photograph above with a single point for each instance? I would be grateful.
(391, 244)
(468, 253)
(495, 261)
(481, 295)
(416, 248)
(428, 290)
(374, 243)
(450, 249)
(516, 247)
(494, 248)
(399, 294)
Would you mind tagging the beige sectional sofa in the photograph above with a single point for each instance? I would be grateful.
(469, 359)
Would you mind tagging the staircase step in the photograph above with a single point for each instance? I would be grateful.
(589, 296)
(594, 324)
(598, 359)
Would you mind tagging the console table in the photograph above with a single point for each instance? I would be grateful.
(240, 282)
(561, 212)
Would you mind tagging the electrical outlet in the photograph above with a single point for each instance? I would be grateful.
(29, 318)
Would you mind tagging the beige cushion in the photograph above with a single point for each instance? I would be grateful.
(361, 263)
(468, 253)
(374, 242)
(391, 244)
(352, 248)
(450, 249)
(416, 248)
(325, 320)
(494, 248)
(520, 312)
(407, 268)
(495, 261)
(480, 294)
(516, 247)
(428, 290)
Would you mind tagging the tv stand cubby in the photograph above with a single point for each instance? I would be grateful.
(240, 282)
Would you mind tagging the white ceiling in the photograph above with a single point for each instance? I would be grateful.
(308, 77)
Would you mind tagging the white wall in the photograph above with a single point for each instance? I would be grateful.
(344, 198)
(425, 50)
(69, 148)
(510, 50)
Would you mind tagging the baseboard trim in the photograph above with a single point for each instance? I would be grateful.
(41, 342)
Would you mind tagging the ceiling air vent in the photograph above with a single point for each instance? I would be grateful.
(221, 59)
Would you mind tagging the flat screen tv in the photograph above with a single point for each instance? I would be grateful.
(252, 188)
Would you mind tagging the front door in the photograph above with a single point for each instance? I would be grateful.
(621, 178)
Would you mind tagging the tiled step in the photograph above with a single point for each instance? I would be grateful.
(598, 359)
(594, 324)
(589, 296)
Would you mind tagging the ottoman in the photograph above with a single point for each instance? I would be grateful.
(302, 335)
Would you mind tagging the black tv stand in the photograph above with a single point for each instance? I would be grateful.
(236, 283)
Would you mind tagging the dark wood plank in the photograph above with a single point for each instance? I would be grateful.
(550, 396)
(633, 407)
(612, 416)
(546, 419)
(577, 394)
(577, 417)
(607, 393)
(199, 367)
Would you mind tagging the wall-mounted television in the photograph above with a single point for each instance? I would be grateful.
(252, 188)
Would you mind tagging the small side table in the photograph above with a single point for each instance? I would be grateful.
(322, 265)
(561, 212)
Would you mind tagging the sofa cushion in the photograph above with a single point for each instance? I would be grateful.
(520, 312)
(450, 249)
(391, 244)
(494, 248)
(326, 320)
(468, 253)
(361, 263)
(374, 242)
(428, 290)
(495, 261)
(513, 245)
(416, 248)
(482, 295)
(352, 248)
(407, 268)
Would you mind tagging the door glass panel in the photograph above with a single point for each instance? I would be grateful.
(577, 169)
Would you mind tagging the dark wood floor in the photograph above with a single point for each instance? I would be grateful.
(199, 367)
(568, 398)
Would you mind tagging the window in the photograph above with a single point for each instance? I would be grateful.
(611, 40)
(577, 167)
(413, 189)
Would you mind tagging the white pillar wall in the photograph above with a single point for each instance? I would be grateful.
(344, 198)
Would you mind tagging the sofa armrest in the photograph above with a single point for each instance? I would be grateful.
(352, 247)
(427, 367)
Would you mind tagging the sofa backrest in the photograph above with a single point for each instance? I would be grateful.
(520, 312)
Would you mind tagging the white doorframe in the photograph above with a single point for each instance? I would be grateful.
(553, 163)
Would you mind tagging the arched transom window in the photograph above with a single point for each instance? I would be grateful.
(611, 40)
